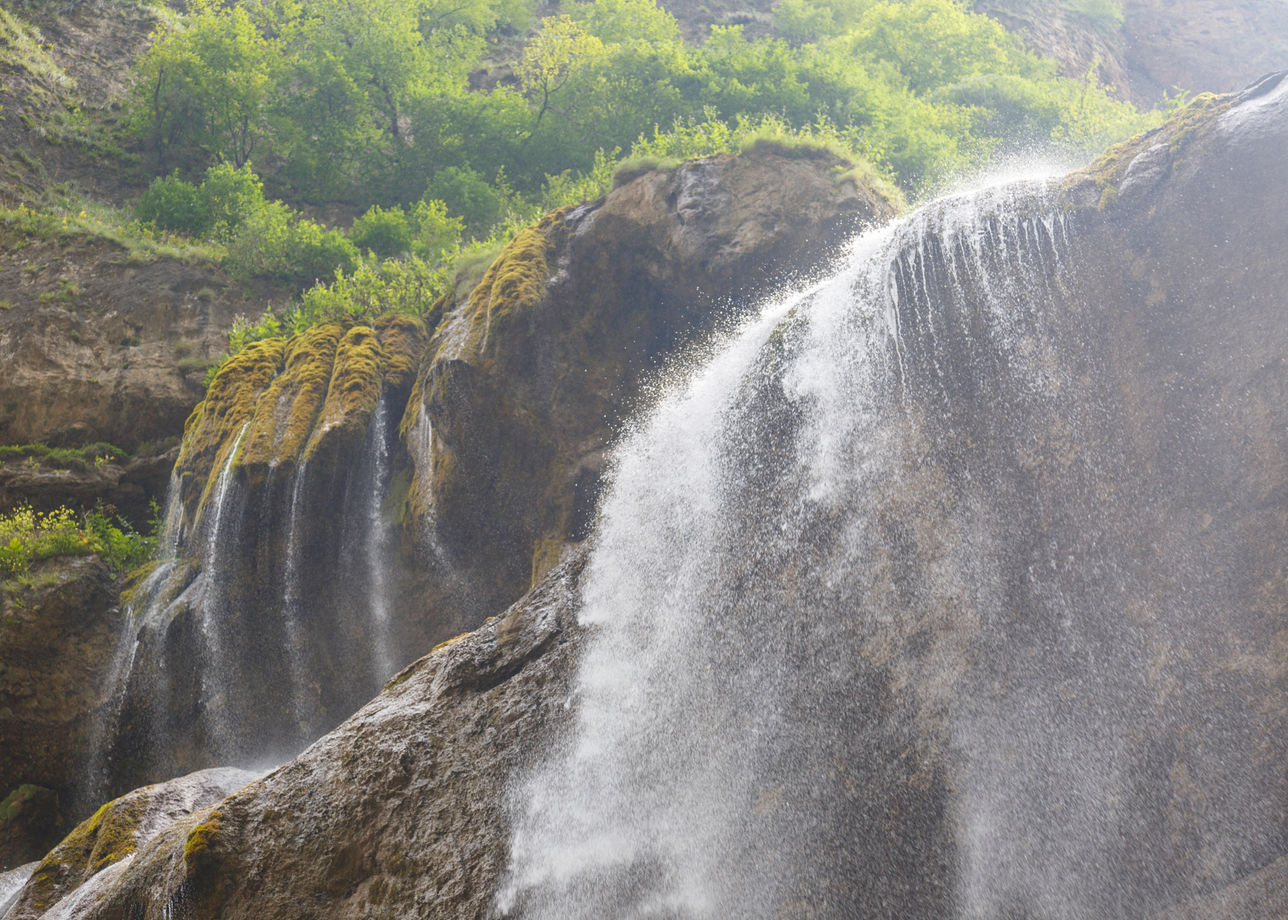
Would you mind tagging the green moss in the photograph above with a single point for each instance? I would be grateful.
(285, 416)
(202, 840)
(403, 339)
(632, 168)
(214, 424)
(354, 387)
(515, 282)
(106, 837)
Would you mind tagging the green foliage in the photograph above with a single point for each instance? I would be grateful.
(27, 537)
(275, 242)
(469, 196)
(357, 104)
(386, 233)
(203, 88)
(627, 21)
(75, 458)
(172, 204)
(77, 219)
(434, 234)
(233, 195)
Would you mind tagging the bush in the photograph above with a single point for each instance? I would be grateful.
(434, 233)
(468, 195)
(27, 536)
(172, 204)
(277, 243)
(314, 253)
(233, 197)
(387, 233)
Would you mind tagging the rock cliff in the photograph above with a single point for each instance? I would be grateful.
(344, 543)
(1155, 454)
(1145, 48)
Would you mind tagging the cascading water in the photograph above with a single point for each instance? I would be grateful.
(259, 598)
(304, 713)
(367, 544)
(857, 642)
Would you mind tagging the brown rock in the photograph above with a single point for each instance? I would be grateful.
(58, 632)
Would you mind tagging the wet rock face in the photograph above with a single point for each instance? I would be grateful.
(57, 637)
(1137, 701)
(90, 855)
(279, 609)
(529, 382)
(403, 803)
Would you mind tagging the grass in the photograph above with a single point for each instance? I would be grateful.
(77, 458)
(71, 218)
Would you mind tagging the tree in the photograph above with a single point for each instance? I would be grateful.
(203, 88)
(559, 49)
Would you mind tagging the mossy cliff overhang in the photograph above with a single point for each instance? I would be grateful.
(525, 380)
(285, 402)
(1128, 172)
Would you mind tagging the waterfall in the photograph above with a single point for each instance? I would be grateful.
(373, 539)
(855, 611)
(220, 551)
(293, 606)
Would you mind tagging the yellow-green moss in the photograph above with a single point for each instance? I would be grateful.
(515, 282)
(284, 418)
(213, 426)
(108, 836)
(403, 339)
(202, 839)
(353, 391)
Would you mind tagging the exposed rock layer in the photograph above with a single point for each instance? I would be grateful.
(58, 634)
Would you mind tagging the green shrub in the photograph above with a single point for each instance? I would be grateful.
(387, 233)
(28, 536)
(275, 242)
(233, 196)
(172, 204)
(468, 195)
(434, 233)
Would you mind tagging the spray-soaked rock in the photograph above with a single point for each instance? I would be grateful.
(1012, 647)
(57, 634)
(114, 833)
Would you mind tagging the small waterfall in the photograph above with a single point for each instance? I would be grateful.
(304, 713)
(148, 599)
(376, 549)
(841, 659)
(218, 565)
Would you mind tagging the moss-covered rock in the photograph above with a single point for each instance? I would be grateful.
(216, 423)
(532, 373)
(287, 411)
(119, 829)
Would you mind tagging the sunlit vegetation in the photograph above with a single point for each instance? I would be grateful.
(28, 537)
(442, 128)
